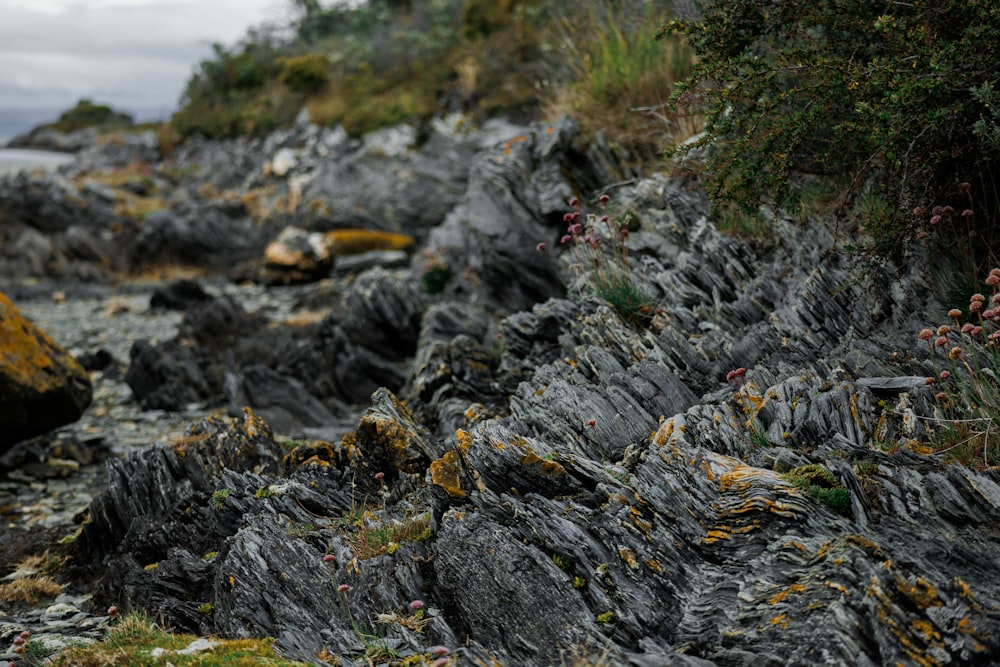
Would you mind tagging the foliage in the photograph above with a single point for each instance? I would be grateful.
(305, 74)
(621, 77)
(87, 114)
(820, 483)
(132, 639)
(601, 262)
(377, 63)
(896, 94)
(966, 360)
(383, 536)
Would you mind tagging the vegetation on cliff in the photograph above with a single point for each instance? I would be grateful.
(896, 98)
(386, 62)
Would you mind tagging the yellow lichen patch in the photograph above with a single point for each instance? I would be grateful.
(741, 477)
(628, 556)
(542, 466)
(865, 543)
(463, 440)
(780, 620)
(919, 591)
(445, 474)
(797, 545)
(653, 565)
(924, 628)
(918, 448)
(794, 588)
(27, 353)
(354, 241)
(662, 435)
(716, 534)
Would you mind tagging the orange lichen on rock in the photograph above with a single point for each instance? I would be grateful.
(794, 588)
(445, 474)
(41, 385)
(354, 241)
(463, 440)
(542, 466)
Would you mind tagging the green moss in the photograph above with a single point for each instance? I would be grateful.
(820, 483)
(206, 609)
(218, 496)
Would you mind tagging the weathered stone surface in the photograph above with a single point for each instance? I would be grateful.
(579, 488)
(297, 256)
(41, 385)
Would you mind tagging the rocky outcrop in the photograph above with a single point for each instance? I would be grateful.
(735, 479)
(41, 385)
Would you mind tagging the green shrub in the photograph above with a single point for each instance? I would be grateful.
(87, 114)
(895, 94)
(305, 74)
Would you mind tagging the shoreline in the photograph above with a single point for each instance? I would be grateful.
(13, 160)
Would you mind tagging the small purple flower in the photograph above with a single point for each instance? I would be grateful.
(566, 239)
(575, 228)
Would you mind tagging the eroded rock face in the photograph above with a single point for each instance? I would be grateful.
(41, 385)
(563, 482)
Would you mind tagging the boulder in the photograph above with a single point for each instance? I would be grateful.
(42, 386)
(297, 256)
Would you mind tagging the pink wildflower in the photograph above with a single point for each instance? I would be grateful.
(935, 219)
(954, 313)
(604, 199)
(417, 605)
(929, 381)
(943, 330)
(992, 279)
(329, 558)
(566, 239)
(945, 375)
(541, 247)
(343, 588)
(925, 334)
(574, 201)
(967, 213)
(941, 341)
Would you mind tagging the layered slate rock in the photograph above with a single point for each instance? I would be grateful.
(564, 484)
(41, 385)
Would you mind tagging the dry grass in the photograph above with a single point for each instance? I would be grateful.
(30, 590)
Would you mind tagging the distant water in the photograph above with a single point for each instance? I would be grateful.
(13, 159)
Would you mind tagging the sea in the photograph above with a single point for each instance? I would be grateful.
(15, 159)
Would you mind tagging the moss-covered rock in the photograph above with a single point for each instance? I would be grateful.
(41, 385)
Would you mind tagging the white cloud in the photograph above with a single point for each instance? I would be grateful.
(132, 54)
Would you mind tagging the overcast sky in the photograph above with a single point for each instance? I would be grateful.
(135, 55)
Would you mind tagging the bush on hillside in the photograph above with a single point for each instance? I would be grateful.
(305, 74)
(87, 114)
(891, 93)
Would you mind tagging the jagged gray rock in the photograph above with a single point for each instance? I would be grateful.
(593, 488)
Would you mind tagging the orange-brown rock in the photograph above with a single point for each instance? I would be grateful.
(354, 241)
(41, 385)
